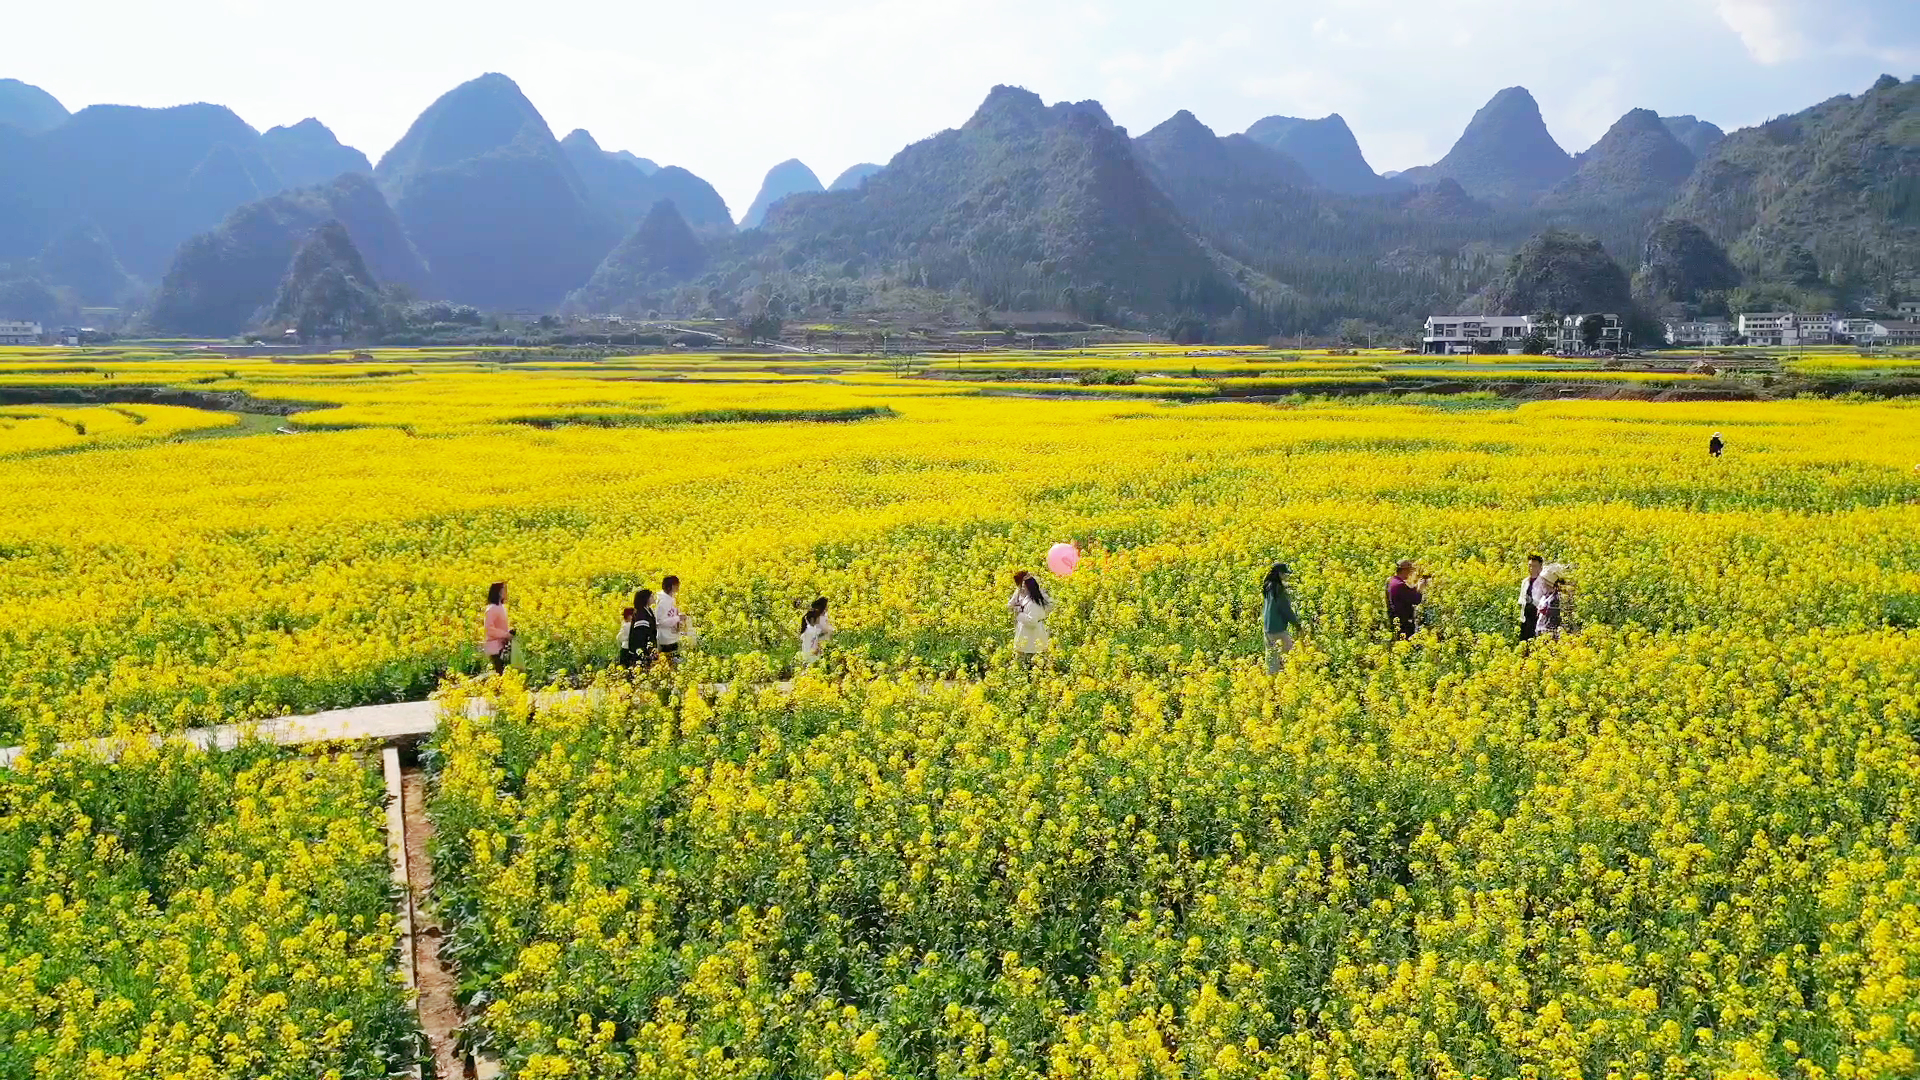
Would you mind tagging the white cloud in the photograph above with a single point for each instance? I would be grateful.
(1763, 27)
(1776, 31)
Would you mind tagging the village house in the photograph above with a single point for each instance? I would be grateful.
(1857, 329)
(1896, 332)
(1699, 333)
(1768, 328)
(1572, 339)
(15, 332)
(1456, 335)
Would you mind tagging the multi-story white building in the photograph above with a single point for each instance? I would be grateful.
(1449, 335)
(1700, 333)
(1815, 329)
(1909, 310)
(1572, 340)
(1897, 332)
(1856, 329)
(15, 332)
(1769, 328)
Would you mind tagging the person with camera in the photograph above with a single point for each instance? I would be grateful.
(1406, 591)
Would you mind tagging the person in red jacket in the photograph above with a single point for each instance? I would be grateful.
(1404, 597)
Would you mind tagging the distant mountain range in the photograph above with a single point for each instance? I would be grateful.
(1027, 207)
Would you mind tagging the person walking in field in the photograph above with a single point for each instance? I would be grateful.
(1405, 594)
(496, 630)
(1715, 445)
(1555, 594)
(1030, 637)
(1277, 616)
(815, 628)
(1019, 592)
(669, 622)
(1531, 589)
(639, 636)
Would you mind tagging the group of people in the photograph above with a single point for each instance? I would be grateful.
(655, 627)
(1545, 594)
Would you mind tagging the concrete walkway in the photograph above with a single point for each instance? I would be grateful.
(364, 723)
(367, 723)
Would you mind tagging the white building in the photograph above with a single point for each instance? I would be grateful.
(1572, 341)
(13, 332)
(1856, 329)
(1459, 335)
(1701, 333)
(1909, 310)
(1815, 329)
(1897, 332)
(1769, 328)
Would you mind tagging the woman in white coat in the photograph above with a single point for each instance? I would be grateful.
(815, 629)
(1030, 611)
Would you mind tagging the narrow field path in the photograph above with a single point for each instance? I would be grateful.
(435, 981)
(365, 723)
(362, 723)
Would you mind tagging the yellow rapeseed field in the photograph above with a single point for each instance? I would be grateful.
(1677, 842)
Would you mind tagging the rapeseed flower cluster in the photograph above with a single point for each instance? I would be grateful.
(184, 914)
(1622, 854)
(181, 583)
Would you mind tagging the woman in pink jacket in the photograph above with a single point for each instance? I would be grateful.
(496, 631)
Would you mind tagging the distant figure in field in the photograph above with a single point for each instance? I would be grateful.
(815, 628)
(669, 623)
(1405, 594)
(1556, 592)
(1030, 637)
(638, 635)
(1715, 445)
(496, 630)
(1277, 616)
(1531, 589)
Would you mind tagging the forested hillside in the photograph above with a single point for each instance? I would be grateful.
(1025, 208)
(1829, 196)
(493, 203)
(222, 281)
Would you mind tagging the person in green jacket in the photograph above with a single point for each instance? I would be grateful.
(1277, 616)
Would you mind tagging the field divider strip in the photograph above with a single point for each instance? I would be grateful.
(362, 723)
(397, 854)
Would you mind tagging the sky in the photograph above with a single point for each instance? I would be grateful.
(727, 90)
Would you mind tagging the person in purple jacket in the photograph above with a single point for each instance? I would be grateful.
(1404, 597)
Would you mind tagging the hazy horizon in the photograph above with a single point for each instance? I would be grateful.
(730, 96)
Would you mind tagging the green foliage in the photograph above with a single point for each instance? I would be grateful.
(1637, 165)
(1680, 263)
(328, 292)
(1561, 271)
(1836, 180)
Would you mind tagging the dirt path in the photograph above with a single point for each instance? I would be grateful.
(439, 1010)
